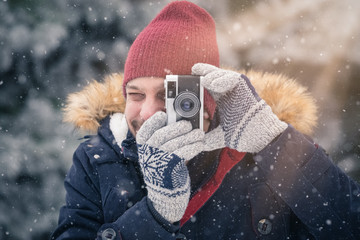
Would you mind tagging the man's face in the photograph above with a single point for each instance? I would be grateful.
(144, 97)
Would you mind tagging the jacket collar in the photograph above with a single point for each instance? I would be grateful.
(129, 147)
(125, 141)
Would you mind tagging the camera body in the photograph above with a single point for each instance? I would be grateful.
(184, 99)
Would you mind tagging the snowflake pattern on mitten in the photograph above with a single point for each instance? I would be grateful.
(162, 169)
(167, 181)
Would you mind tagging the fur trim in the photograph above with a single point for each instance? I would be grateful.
(290, 101)
(88, 107)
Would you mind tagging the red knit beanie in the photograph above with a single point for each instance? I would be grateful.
(181, 35)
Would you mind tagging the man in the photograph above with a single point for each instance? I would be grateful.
(246, 175)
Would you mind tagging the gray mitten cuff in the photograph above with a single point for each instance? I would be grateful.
(171, 205)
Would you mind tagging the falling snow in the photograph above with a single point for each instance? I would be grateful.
(52, 49)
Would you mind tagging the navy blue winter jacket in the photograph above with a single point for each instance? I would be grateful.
(289, 190)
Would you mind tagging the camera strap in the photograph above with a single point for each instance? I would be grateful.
(228, 159)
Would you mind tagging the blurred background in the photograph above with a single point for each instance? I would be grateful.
(50, 48)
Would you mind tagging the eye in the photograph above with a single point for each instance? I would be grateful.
(135, 96)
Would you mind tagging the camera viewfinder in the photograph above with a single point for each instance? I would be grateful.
(171, 90)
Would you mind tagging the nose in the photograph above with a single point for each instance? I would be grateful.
(149, 107)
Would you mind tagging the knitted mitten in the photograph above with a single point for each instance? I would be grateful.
(247, 123)
(162, 152)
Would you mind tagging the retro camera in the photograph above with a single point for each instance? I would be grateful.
(184, 99)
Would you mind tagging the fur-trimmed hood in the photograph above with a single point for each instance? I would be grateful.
(290, 101)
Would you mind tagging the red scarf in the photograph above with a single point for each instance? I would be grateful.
(228, 159)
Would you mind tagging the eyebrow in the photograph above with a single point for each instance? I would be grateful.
(134, 87)
(129, 86)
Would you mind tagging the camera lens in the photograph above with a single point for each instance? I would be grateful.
(187, 104)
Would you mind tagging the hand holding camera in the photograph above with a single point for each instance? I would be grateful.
(163, 151)
(247, 123)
